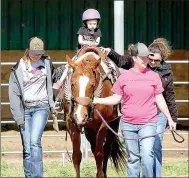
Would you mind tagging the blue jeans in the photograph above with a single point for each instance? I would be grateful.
(31, 133)
(161, 125)
(139, 151)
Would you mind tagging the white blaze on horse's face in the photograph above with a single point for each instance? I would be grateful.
(83, 81)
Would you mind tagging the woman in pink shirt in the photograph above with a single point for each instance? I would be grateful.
(139, 89)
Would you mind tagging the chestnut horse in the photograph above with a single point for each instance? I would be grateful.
(87, 80)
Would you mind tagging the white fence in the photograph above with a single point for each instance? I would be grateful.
(84, 142)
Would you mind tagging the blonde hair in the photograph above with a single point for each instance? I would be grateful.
(162, 46)
(26, 54)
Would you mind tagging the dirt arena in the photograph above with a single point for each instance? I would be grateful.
(59, 143)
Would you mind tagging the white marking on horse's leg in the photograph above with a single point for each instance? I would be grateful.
(83, 81)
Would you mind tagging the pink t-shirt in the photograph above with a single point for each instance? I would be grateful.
(138, 91)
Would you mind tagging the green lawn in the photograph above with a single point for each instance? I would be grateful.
(55, 169)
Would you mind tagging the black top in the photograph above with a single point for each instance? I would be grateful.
(88, 35)
(166, 75)
(125, 62)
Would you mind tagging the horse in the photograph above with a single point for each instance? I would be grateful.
(87, 80)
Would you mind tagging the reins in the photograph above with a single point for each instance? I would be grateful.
(173, 132)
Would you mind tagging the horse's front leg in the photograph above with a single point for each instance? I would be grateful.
(76, 140)
(99, 153)
(77, 155)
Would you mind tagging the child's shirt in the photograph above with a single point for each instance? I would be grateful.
(87, 35)
(138, 91)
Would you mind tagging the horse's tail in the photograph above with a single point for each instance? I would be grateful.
(118, 153)
(118, 156)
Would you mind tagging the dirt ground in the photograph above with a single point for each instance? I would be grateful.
(59, 143)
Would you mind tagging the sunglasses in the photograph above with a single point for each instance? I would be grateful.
(154, 60)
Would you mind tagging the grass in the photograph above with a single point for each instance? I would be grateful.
(176, 169)
(55, 169)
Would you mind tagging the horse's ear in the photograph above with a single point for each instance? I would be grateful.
(71, 63)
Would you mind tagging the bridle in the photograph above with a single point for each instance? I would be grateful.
(83, 101)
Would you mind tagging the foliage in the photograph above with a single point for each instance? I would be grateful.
(178, 169)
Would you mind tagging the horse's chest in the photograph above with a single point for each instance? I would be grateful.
(94, 125)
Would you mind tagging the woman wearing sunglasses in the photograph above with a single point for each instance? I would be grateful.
(160, 51)
(140, 91)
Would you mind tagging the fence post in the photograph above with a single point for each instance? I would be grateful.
(63, 159)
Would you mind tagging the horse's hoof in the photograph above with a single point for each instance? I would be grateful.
(100, 175)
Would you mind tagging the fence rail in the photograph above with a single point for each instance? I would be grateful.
(63, 135)
(168, 61)
(176, 82)
(85, 156)
(70, 151)
(49, 121)
(177, 101)
(13, 122)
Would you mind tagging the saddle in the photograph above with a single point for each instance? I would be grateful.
(107, 64)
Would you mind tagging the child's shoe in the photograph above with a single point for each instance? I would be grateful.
(57, 85)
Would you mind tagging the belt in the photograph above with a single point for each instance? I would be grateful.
(29, 104)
